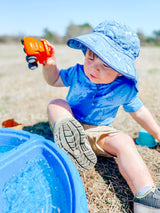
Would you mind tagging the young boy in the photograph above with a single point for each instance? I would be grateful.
(107, 80)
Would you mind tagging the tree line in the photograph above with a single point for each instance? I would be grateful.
(74, 30)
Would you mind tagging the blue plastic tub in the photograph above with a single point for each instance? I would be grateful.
(36, 176)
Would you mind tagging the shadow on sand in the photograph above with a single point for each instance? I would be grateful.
(41, 128)
(108, 170)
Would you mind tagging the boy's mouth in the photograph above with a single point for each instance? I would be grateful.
(93, 76)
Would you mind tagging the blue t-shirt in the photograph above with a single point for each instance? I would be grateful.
(98, 104)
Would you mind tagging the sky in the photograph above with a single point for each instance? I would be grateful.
(31, 17)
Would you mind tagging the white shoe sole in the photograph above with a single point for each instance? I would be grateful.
(139, 208)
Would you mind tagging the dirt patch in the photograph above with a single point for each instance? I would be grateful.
(25, 95)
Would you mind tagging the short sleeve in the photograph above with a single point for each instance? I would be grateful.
(67, 75)
(133, 105)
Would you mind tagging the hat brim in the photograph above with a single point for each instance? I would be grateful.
(107, 51)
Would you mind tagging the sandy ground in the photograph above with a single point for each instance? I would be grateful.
(24, 96)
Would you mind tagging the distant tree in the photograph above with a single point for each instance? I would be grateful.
(77, 30)
(51, 36)
(142, 37)
(48, 34)
(156, 37)
(156, 33)
(150, 40)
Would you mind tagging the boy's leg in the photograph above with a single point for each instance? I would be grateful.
(70, 135)
(133, 169)
(56, 109)
(130, 163)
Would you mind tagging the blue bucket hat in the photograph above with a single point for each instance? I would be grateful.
(115, 44)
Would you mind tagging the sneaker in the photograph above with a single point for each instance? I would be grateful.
(149, 203)
(70, 136)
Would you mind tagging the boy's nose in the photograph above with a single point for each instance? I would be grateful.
(95, 67)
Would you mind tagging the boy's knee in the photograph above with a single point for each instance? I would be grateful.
(52, 104)
(57, 103)
(125, 143)
(58, 107)
(117, 143)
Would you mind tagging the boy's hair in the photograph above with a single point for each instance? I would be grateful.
(114, 43)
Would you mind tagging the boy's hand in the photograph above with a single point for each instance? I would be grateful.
(146, 120)
(51, 61)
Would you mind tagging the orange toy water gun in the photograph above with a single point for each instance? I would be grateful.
(36, 51)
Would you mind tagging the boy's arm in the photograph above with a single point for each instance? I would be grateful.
(50, 70)
(146, 120)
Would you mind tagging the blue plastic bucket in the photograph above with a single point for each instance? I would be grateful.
(146, 139)
(37, 176)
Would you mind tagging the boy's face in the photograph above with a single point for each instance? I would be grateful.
(97, 71)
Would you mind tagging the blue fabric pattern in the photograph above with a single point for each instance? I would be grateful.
(98, 104)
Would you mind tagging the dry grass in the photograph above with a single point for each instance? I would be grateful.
(24, 95)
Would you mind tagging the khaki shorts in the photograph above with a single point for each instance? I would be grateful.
(94, 133)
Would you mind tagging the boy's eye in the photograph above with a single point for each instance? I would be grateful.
(105, 65)
(90, 58)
